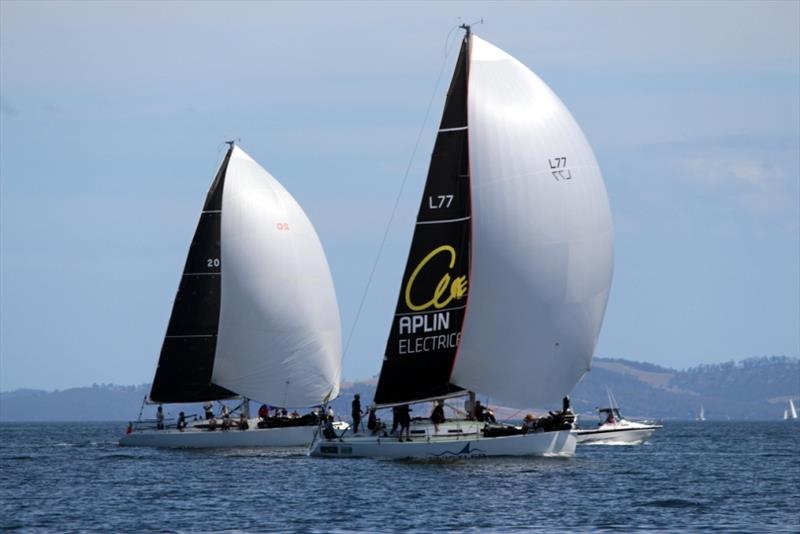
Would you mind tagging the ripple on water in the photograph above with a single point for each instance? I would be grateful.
(681, 480)
(673, 503)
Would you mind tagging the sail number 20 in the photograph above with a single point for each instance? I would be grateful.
(212, 262)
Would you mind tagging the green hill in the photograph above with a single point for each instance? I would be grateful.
(753, 389)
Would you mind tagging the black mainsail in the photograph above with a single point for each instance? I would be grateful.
(426, 328)
(187, 355)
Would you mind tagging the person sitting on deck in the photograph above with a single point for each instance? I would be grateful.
(488, 415)
(263, 412)
(529, 423)
(243, 424)
(328, 431)
(479, 411)
(437, 415)
(226, 418)
(374, 424)
(181, 421)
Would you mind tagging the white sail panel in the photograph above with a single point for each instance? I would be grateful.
(279, 338)
(542, 239)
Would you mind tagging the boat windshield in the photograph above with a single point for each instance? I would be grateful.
(609, 415)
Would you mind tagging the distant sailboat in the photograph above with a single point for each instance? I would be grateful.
(702, 415)
(255, 317)
(790, 413)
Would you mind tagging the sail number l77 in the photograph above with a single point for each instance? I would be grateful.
(439, 201)
(558, 167)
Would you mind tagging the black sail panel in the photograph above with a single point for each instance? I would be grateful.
(187, 355)
(426, 328)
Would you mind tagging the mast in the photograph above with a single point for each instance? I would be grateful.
(426, 329)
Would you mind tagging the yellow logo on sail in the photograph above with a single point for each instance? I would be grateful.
(457, 288)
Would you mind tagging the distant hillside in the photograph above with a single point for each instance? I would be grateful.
(756, 388)
(104, 402)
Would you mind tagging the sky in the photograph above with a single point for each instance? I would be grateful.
(113, 117)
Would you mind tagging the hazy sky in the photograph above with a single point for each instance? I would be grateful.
(114, 114)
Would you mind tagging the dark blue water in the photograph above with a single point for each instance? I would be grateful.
(690, 476)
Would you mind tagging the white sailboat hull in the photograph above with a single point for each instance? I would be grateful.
(627, 433)
(469, 442)
(298, 436)
(202, 438)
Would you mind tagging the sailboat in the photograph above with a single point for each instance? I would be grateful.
(791, 412)
(702, 415)
(255, 317)
(508, 272)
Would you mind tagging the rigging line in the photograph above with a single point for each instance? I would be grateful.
(141, 409)
(396, 201)
(512, 416)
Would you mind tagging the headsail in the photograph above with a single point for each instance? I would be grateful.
(187, 354)
(542, 238)
(430, 309)
(279, 327)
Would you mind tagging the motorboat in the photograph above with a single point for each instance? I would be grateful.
(614, 429)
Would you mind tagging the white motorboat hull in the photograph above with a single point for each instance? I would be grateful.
(616, 434)
(452, 441)
(193, 437)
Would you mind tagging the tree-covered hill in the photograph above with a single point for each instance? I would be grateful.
(753, 389)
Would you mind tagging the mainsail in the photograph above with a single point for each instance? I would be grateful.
(430, 309)
(526, 232)
(268, 325)
(187, 353)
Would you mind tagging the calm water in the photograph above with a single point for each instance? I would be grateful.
(691, 476)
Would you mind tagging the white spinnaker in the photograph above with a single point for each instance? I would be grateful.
(279, 339)
(542, 256)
